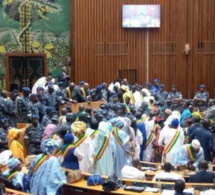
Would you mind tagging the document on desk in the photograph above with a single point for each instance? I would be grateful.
(168, 192)
(172, 192)
(148, 189)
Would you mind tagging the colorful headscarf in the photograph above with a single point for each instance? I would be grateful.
(78, 128)
(120, 123)
(197, 114)
(48, 146)
(69, 138)
(13, 162)
(12, 133)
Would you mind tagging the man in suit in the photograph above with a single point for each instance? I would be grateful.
(179, 188)
(205, 137)
(202, 176)
(73, 94)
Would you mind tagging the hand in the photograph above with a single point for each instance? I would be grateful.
(191, 167)
(74, 101)
(190, 163)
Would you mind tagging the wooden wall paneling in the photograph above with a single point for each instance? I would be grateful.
(201, 36)
(103, 24)
(97, 41)
(168, 62)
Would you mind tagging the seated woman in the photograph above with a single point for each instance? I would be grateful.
(19, 180)
(15, 146)
(70, 154)
(45, 172)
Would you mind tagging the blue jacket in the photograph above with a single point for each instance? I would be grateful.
(205, 138)
(142, 128)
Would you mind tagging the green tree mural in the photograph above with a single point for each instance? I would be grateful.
(36, 26)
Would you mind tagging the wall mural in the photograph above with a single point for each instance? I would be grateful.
(36, 26)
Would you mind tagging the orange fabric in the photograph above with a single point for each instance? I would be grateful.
(16, 150)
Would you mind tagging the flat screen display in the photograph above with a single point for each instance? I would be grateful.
(141, 16)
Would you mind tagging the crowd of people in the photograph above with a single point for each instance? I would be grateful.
(133, 124)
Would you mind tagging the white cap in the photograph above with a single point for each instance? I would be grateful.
(195, 144)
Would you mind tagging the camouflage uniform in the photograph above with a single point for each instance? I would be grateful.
(33, 108)
(46, 120)
(172, 96)
(3, 137)
(23, 108)
(51, 100)
(11, 112)
(2, 107)
(34, 135)
(202, 105)
(161, 97)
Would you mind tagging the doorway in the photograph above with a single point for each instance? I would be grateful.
(24, 69)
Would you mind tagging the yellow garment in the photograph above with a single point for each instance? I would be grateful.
(197, 114)
(16, 149)
(124, 96)
(78, 128)
(12, 133)
(14, 146)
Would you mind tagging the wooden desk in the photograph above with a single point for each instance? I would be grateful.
(82, 188)
(75, 107)
(150, 175)
(10, 191)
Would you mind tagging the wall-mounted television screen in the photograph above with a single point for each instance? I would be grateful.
(141, 16)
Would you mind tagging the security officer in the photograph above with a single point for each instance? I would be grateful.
(60, 94)
(47, 117)
(201, 98)
(175, 98)
(23, 105)
(50, 97)
(3, 134)
(33, 105)
(161, 95)
(33, 135)
(11, 109)
(69, 121)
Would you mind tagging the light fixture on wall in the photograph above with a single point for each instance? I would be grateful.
(187, 48)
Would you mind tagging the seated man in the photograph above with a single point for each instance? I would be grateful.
(179, 188)
(190, 155)
(167, 174)
(133, 172)
(202, 176)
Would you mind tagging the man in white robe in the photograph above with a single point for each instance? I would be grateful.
(190, 155)
(134, 171)
(172, 138)
(84, 144)
(150, 134)
(41, 82)
(104, 151)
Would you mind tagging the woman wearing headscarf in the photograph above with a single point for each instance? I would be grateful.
(45, 172)
(71, 155)
(104, 150)
(14, 145)
(19, 180)
(122, 149)
(84, 144)
(138, 138)
(49, 130)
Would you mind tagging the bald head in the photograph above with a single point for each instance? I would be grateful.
(136, 163)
